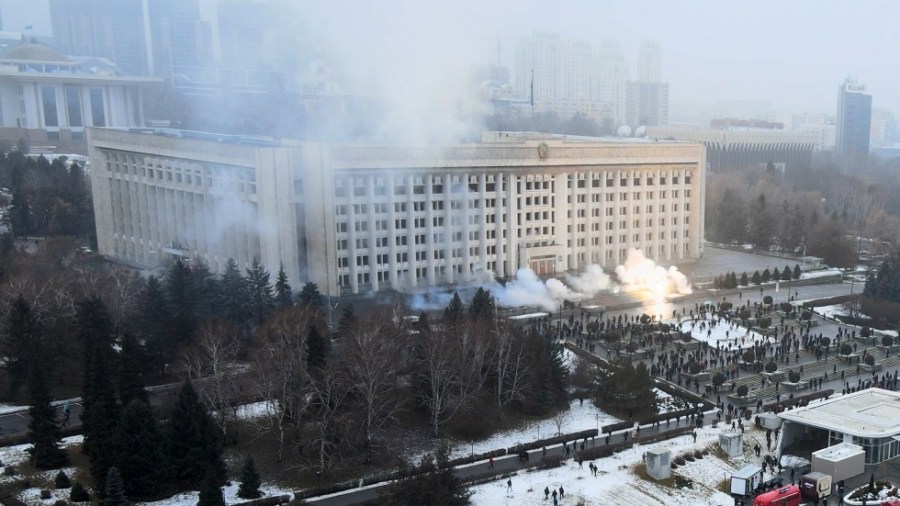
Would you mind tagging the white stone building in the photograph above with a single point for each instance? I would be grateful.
(360, 218)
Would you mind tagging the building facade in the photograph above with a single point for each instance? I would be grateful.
(367, 218)
(47, 98)
(734, 149)
(854, 118)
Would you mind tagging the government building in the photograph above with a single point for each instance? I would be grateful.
(357, 218)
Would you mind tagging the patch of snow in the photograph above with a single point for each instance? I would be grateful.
(729, 335)
(229, 492)
(820, 273)
(831, 311)
(9, 408)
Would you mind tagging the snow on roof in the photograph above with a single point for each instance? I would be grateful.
(870, 413)
(528, 316)
(839, 451)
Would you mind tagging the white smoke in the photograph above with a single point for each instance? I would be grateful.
(527, 289)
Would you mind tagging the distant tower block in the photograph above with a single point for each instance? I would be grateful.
(732, 443)
(659, 464)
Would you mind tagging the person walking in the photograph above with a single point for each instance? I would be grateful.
(562, 493)
(491, 463)
(546, 493)
(509, 485)
(555, 501)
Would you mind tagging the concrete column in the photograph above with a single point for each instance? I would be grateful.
(372, 235)
(429, 232)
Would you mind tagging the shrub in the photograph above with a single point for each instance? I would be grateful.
(645, 319)
(631, 347)
(45, 494)
(695, 367)
(764, 322)
(794, 376)
(689, 457)
(749, 356)
(60, 502)
(725, 306)
(62, 481)
(9, 470)
(718, 379)
(887, 340)
(771, 366)
(743, 390)
(870, 360)
(825, 341)
(846, 349)
(745, 314)
(805, 315)
(612, 336)
(785, 307)
(79, 493)
(767, 300)
(665, 327)
(686, 337)
(698, 454)
(865, 332)
(679, 461)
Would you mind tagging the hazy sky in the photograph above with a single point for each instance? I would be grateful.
(792, 53)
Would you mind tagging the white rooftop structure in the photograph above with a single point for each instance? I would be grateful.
(870, 413)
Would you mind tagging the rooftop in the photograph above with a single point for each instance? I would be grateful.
(870, 413)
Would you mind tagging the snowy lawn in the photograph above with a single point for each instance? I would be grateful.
(617, 483)
(831, 311)
(729, 335)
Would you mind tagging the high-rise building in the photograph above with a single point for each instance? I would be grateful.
(854, 119)
(649, 63)
(366, 218)
(612, 80)
(140, 36)
(648, 104)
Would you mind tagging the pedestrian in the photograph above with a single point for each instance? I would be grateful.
(491, 463)
(694, 434)
(554, 498)
(546, 493)
(562, 493)
(543, 451)
(792, 474)
(509, 485)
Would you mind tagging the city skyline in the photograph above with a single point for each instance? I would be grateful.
(789, 55)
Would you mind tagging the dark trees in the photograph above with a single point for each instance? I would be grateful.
(142, 463)
(249, 488)
(42, 429)
(431, 482)
(193, 441)
(626, 389)
(283, 296)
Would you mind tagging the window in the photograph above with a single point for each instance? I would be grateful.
(98, 109)
(73, 106)
(48, 97)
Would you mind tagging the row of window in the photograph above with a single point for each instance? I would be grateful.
(72, 106)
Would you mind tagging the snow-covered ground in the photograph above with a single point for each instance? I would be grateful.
(729, 335)
(831, 311)
(617, 483)
(819, 273)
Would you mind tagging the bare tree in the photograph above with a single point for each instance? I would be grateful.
(371, 356)
(439, 378)
(560, 420)
(471, 353)
(211, 366)
(280, 369)
(328, 391)
(510, 367)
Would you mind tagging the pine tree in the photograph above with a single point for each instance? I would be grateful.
(261, 294)
(776, 274)
(206, 289)
(194, 442)
(454, 312)
(42, 429)
(797, 271)
(100, 411)
(131, 372)
(756, 279)
(744, 280)
(21, 341)
(316, 349)
(234, 293)
(210, 491)
(483, 306)
(732, 282)
(20, 215)
(114, 493)
(766, 276)
(182, 300)
(142, 461)
(786, 273)
(154, 321)
(79, 493)
(249, 488)
(310, 296)
(348, 322)
(283, 295)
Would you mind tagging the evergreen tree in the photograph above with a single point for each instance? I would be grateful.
(100, 411)
(454, 312)
(776, 274)
(206, 289)
(210, 491)
(758, 230)
(283, 295)
(797, 271)
(79, 493)
(756, 279)
(483, 306)
(154, 321)
(234, 293)
(432, 482)
(182, 300)
(786, 274)
(21, 341)
(766, 276)
(732, 281)
(114, 493)
(260, 292)
(249, 488)
(131, 372)
(744, 280)
(625, 389)
(348, 322)
(194, 442)
(142, 461)
(61, 480)
(310, 296)
(20, 215)
(316, 349)
(42, 429)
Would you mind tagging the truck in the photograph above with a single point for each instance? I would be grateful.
(745, 480)
(785, 496)
(815, 485)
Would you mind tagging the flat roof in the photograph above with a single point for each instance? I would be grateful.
(839, 451)
(870, 413)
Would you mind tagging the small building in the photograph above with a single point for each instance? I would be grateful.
(841, 461)
(868, 418)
